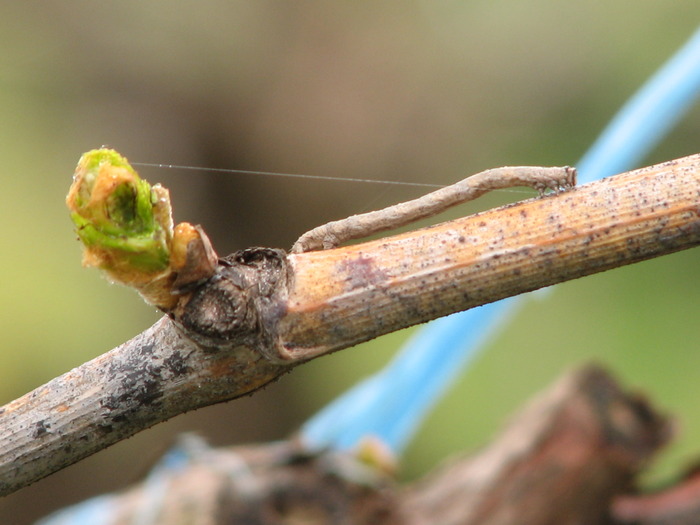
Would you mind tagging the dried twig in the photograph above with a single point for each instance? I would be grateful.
(333, 234)
(264, 312)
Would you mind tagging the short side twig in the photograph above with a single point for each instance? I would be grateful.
(335, 233)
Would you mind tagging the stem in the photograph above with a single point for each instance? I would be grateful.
(349, 295)
(264, 312)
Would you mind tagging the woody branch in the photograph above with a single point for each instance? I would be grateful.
(264, 312)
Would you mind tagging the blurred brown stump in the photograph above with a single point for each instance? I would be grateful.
(676, 505)
(561, 460)
(570, 456)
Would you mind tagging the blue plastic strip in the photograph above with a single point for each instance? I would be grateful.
(100, 510)
(647, 117)
(391, 404)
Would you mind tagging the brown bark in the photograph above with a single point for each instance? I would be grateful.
(561, 461)
(676, 505)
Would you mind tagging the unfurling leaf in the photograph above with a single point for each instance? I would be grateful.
(126, 229)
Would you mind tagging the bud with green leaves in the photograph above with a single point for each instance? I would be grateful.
(126, 228)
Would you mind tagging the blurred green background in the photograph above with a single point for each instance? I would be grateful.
(415, 91)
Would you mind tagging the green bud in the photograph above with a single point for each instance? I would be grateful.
(120, 219)
(127, 230)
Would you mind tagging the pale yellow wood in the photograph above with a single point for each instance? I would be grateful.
(355, 293)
